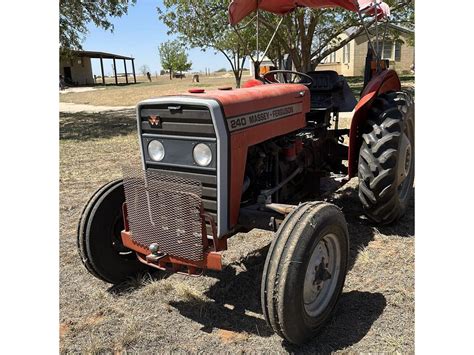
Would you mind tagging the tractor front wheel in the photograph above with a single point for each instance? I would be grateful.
(305, 270)
(99, 240)
(387, 158)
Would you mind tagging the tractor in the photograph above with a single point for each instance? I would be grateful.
(263, 156)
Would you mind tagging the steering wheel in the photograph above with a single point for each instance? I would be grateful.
(292, 80)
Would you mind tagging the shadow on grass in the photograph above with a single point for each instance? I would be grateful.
(352, 320)
(85, 125)
(235, 297)
(362, 230)
(235, 304)
(236, 307)
(138, 281)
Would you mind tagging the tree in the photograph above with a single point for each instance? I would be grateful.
(204, 24)
(173, 57)
(182, 63)
(310, 35)
(144, 69)
(74, 15)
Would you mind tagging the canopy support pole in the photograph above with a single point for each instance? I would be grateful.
(273, 36)
(133, 69)
(125, 67)
(115, 72)
(102, 70)
(366, 30)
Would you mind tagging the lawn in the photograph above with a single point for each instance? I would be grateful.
(220, 311)
(130, 95)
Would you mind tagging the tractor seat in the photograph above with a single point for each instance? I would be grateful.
(330, 91)
(325, 81)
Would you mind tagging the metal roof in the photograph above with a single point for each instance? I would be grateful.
(105, 55)
(393, 26)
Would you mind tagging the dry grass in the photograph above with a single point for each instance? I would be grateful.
(130, 95)
(221, 311)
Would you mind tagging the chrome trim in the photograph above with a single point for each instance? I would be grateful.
(222, 149)
(189, 138)
(158, 163)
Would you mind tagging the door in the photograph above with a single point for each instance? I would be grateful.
(67, 74)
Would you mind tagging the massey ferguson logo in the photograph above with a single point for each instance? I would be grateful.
(259, 117)
(155, 121)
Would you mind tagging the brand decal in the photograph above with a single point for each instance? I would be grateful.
(259, 117)
(154, 120)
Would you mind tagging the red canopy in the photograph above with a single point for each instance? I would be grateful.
(239, 9)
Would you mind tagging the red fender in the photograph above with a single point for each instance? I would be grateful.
(387, 80)
(251, 83)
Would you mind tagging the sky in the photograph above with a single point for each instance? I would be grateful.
(138, 34)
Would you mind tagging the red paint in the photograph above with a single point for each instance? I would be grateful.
(196, 91)
(211, 260)
(298, 145)
(289, 152)
(239, 9)
(258, 98)
(251, 83)
(386, 81)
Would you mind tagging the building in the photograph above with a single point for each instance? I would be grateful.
(77, 69)
(350, 59)
(265, 65)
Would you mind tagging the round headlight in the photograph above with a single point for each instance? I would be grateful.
(156, 150)
(202, 154)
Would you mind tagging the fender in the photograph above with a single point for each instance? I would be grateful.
(387, 80)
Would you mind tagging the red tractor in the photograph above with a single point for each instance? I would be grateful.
(220, 162)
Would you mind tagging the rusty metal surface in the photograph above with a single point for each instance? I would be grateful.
(211, 260)
(164, 209)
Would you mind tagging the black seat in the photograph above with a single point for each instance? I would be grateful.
(330, 91)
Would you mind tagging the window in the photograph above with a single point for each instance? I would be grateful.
(386, 48)
(332, 57)
(398, 51)
(346, 53)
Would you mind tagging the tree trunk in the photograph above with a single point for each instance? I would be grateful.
(170, 75)
(237, 78)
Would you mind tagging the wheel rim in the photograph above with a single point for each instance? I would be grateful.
(321, 275)
(406, 162)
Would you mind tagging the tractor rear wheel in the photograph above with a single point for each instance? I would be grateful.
(305, 270)
(387, 158)
(99, 240)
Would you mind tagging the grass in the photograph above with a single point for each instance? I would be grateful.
(130, 95)
(219, 312)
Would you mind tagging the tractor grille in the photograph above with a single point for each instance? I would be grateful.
(182, 120)
(164, 209)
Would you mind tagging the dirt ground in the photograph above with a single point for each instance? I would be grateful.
(219, 312)
(129, 95)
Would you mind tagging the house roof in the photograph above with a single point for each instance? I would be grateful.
(95, 54)
(399, 28)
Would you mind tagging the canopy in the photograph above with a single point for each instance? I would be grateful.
(239, 9)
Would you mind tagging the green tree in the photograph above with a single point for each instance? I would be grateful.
(74, 15)
(310, 35)
(173, 57)
(204, 24)
(182, 63)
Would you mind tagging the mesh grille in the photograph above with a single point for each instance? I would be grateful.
(164, 209)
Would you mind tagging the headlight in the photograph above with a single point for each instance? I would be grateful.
(156, 150)
(202, 154)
